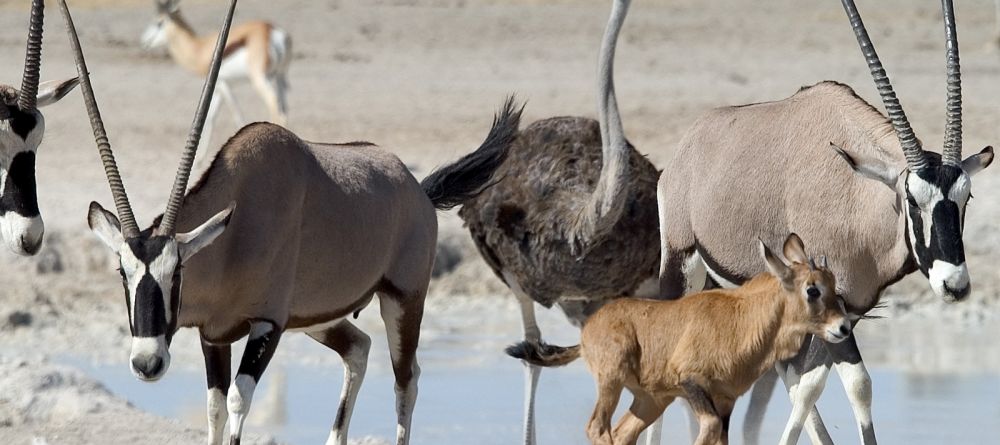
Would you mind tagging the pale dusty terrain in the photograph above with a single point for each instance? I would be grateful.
(422, 78)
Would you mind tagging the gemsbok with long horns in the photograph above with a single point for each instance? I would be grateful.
(886, 208)
(22, 127)
(572, 221)
(282, 234)
(257, 51)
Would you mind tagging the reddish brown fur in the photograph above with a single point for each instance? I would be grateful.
(708, 348)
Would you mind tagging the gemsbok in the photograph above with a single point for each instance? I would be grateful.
(282, 234)
(571, 222)
(856, 186)
(22, 127)
(257, 51)
(707, 348)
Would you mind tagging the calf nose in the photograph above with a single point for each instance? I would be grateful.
(844, 330)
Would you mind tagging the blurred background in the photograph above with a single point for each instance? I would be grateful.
(422, 78)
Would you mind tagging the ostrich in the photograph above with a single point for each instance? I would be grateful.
(573, 222)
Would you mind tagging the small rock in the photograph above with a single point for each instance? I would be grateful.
(18, 319)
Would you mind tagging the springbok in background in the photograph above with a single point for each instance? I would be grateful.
(256, 51)
(307, 234)
(707, 348)
(886, 208)
(21, 129)
(571, 222)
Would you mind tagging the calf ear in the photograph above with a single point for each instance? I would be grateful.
(794, 250)
(869, 167)
(50, 92)
(776, 266)
(190, 243)
(975, 163)
(105, 225)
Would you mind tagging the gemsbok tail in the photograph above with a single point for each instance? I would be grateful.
(464, 179)
(541, 354)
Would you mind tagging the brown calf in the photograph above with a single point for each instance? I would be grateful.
(708, 348)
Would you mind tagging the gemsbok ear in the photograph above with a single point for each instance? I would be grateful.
(190, 243)
(105, 225)
(869, 167)
(975, 163)
(775, 265)
(794, 250)
(50, 92)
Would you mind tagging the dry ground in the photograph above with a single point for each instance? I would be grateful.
(423, 77)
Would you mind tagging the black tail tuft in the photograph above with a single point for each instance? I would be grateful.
(453, 184)
(542, 354)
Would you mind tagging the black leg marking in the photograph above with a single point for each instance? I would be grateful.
(672, 280)
(259, 351)
(218, 365)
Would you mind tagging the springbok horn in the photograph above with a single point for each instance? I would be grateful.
(915, 158)
(129, 227)
(187, 157)
(952, 152)
(822, 262)
(26, 101)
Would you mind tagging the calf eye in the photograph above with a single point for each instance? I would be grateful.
(813, 292)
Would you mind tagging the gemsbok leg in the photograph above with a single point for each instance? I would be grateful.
(857, 382)
(352, 344)
(402, 314)
(805, 377)
(218, 370)
(261, 343)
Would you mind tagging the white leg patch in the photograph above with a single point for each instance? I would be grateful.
(217, 415)
(240, 395)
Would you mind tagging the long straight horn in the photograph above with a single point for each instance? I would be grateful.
(915, 158)
(952, 153)
(187, 157)
(129, 227)
(26, 101)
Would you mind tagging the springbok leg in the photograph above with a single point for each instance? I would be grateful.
(261, 343)
(352, 344)
(402, 315)
(858, 384)
(217, 371)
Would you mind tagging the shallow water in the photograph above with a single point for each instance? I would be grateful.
(479, 400)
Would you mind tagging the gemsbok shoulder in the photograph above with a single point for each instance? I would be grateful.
(282, 234)
(22, 127)
(257, 51)
(707, 348)
(855, 185)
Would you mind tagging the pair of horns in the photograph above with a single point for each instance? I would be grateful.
(27, 98)
(129, 227)
(822, 262)
(916, 159)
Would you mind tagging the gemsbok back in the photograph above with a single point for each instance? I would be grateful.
(707, 348)
(856, 186)
(282, 234)
(21, 129)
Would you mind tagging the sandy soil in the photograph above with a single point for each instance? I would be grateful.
(423, 77)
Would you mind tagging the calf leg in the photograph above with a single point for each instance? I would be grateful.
(261, 343)
(217, 372)
(708, 416)
(857, 382)
(644, 411)
(402, 316)
(352, 344)
(609, 389)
